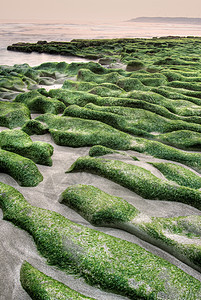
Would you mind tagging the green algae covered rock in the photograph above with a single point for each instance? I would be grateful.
(99, 150)
(184, 139)
(39, 103)
(81, 98)
(19, 142)
(179, 174)
(76, 132)
(114, 264)
(40, 286)
(88, 75)
(130, 84)
(135, 65)
(13, 114)
(138, 179)
(146, 120)
(22, 169)
(96, 206)
(122, 123)
(179, 236)
(35, 127)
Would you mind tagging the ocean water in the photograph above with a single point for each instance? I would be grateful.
(32, 32)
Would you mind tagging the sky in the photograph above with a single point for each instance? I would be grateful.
(96, 10)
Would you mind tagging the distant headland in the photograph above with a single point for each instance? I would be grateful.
(175, 20)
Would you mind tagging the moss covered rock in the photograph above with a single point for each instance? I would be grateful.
(138, 179)
(39, 103)
(13, 114)
(40, 286)
(179, 236)
(19, 142)
(22, 169)
(114, 264)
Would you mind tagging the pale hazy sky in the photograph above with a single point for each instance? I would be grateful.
(96, 10)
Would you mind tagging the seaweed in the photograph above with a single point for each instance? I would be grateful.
(22, 169)
(13, 114)
(179, 174)
(19, 142)
(138, 180)
(178, 236)
(40, 286)
(39, 103)
(114, 264)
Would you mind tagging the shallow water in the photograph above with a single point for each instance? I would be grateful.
(32, 32)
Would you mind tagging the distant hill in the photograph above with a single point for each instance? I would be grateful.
(179, 20)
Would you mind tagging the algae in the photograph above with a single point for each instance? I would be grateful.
(137, 179)
(40, 286)
(174, 235)
(13, 114)
(22, 169)
(114, 264)
(19, 142)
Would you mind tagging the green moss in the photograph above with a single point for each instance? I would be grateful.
(19, 142)
(69, 97)
(13, 83)
(13, 114)
(184, 139)
(35, 127)
(114, 264)
(145, 101)
(185, 85)
(135, 65)
(170, 234)
(89, 76)
(96, 206)
(122, 123)
(130, 84)
(22, 169)
(101, 150)
(40, 286)
(78, 86)
(174, 93)
(40, 103)
(146, 120)
(76, 132)
(138, 179)
(179, 174)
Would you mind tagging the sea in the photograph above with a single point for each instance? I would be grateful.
(13, 32)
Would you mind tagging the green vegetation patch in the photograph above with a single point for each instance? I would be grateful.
(76, 132)
(96, 206)
(19, 142)
(184, 139)
(138, 179)
(146, 120)
(99, 150)
(39, 103)
(22, 169)
(122, 123)
(179, 236)
(179, 174)
(13, 114)
(40, 286)
(113, 264)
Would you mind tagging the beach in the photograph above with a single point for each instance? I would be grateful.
(16, 244)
